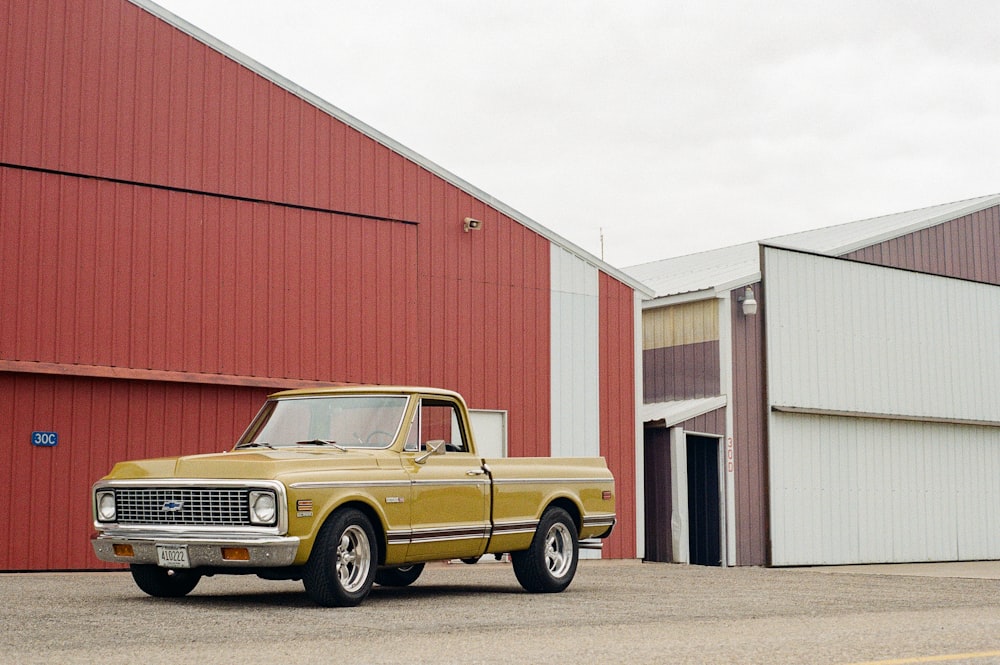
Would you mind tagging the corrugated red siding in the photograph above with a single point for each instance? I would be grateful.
(99, 422)
(130, 276)
(617, 382)
(167, 209)
(966, 247)
(749, 404)
(104, 88)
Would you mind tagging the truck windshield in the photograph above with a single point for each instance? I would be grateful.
(340, 421)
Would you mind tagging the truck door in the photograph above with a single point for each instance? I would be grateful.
(450, 492)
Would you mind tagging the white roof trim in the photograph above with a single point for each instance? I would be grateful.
(675, 412)
(374, 134)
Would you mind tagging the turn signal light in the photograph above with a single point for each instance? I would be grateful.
(235, 554)
(606, 495)
(124, 550)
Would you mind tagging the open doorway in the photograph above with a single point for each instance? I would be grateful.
(704, 501)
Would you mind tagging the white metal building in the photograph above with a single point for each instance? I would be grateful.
(859, 418)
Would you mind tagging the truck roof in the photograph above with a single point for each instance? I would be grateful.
(360, 389)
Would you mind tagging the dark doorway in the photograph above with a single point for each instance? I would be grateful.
(656, 481)
(704, 520)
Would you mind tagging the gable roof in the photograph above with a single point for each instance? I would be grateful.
(377, 136)
(709, 273)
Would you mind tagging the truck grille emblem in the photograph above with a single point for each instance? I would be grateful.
(172, 506)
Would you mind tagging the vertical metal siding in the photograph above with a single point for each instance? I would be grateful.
(576, 403)
(99, 422)
(126, 276)
(680, 357)
(966, 247)
(713, 422)
(104, 88)
(618, 408)
(858, 339)
(860, 490)
(749, 408)
(920, 345)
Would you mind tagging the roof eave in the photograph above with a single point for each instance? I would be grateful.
(372, 133)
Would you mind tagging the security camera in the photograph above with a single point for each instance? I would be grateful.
(472, 224)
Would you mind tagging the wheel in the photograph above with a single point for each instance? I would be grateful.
(549, 563)
(164, 582)
(401, 576)
(341, 568)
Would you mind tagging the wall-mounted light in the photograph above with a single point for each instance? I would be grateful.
(749, 302)
(472, 224)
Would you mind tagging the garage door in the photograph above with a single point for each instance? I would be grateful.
(867, 490)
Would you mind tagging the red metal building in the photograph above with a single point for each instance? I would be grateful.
(183, 231)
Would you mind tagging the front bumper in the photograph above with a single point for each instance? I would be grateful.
(203, 550)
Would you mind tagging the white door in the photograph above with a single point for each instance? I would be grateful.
(489, 428)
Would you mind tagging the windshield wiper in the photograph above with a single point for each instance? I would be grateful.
(256, 444)
(321, 442)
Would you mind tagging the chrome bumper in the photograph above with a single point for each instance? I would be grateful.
(204, 550)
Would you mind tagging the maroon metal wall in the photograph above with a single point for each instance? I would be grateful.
(139, 277)
(749, 405)
(685, 371)
(172, 216)
(966, 247)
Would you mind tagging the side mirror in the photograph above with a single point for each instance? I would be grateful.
(434, 447)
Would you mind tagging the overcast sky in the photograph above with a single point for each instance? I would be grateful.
(673, 125)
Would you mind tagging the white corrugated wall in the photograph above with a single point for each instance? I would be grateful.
(884, 428)
(865, 490)
(855, 337)
(575, 356)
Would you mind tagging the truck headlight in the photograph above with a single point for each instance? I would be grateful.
(263, 507)
(106, 510)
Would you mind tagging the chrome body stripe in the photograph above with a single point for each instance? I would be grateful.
(438, 534)
(600, 520)
(329, 484)
(557, 481)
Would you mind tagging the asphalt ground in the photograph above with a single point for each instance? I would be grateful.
(614, 612)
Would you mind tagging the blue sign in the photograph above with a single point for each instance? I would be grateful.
(47, 439)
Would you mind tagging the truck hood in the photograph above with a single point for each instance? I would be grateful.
(257, 464)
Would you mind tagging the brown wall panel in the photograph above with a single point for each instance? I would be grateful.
(713, 422)
(659, 504)
(966, 247)
(681, 372)
(749, 404)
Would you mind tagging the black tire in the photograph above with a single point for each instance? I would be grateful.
(399, 576)
(341, 568)
(164, 582)
(549, 563)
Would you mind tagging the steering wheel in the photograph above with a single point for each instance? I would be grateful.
(371, 439)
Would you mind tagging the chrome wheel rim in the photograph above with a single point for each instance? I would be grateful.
(558, 550)
(353, 558)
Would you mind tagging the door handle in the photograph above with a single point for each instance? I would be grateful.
(476, 472)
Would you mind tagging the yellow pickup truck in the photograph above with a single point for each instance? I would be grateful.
(347, 487)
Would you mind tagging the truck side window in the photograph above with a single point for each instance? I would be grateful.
(440, 421)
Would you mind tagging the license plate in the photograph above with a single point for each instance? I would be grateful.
(172, 556)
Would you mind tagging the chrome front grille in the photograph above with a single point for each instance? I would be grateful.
(225, 506)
